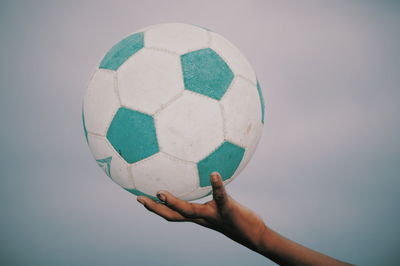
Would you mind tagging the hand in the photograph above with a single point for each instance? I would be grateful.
(222, 214)
(225, 215)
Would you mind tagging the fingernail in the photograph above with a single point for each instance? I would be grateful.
(161, 196)
(214, 177)
(140, 200)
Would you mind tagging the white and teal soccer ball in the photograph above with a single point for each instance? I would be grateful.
(170, 104)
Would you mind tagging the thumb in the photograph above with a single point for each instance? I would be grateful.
(219, 193)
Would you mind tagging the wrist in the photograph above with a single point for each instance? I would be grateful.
(265, 241)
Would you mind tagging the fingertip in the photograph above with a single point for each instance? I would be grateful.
(215, 173)
(215, 176)
(141, 200)
(161, 195)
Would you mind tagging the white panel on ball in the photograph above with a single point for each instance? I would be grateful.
(118, 168)
(196, 194)
(101, 102)
(176, 37)
(241, 109)
(190, 127)
(232, 55)
(164, 172)
(149, 79)
(248, 154)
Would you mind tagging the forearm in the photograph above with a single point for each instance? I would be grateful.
(286, 252)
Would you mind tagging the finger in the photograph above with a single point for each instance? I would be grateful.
(167, 213)
(219, 193)
(160, 209)
(186, 209)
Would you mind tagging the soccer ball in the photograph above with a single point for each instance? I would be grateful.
(170, 104)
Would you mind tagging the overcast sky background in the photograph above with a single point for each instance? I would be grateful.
(326, 172)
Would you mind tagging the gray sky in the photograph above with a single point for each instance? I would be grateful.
(326, 173)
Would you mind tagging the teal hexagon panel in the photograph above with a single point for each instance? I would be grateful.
(120, 52)
(133, 135)
(205, 72)
(225, 160)
(261, 101)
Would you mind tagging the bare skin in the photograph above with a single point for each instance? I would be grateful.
(225, 215)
